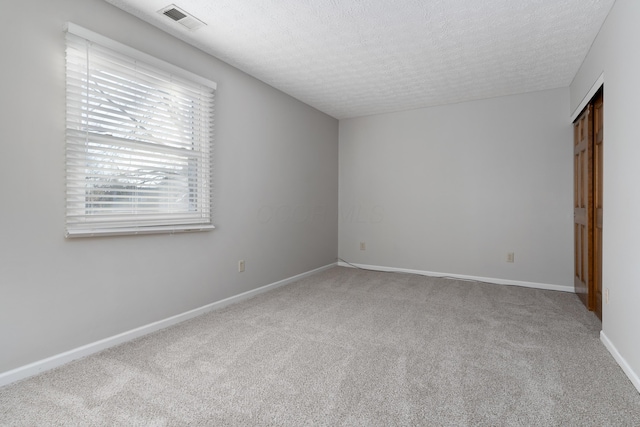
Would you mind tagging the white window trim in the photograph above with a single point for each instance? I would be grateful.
(136, 54)
(132, 229)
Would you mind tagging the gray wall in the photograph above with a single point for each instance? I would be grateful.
(615, 52)
(452, 189)
(276, 179)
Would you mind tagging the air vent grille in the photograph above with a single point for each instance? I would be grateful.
(181, 17)
(174, 14)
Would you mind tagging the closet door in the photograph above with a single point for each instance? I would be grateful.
(583, 203)
(598, 145)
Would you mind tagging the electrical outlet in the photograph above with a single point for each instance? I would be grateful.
(240, 266)
(511, 257)
(363, 246)
(606, 296)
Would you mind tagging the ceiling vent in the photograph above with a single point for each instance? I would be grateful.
(181, 17)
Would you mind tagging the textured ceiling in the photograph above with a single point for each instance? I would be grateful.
(353, 58)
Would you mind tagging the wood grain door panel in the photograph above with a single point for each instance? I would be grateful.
(583, 200)
(598, 152)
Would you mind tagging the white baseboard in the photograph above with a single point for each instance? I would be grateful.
(546, 286)
(635, 379)
(86, 350)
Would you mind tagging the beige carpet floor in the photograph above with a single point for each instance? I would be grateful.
(355, 348)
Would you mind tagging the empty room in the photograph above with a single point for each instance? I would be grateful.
(320, 213)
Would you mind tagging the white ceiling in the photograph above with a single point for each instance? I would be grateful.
(353, 58)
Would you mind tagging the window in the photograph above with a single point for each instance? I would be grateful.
(139, 141)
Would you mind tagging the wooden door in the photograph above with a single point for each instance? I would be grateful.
(582, 197)
(588, 138)
(598, 134)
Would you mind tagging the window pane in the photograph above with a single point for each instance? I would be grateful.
(138, 145)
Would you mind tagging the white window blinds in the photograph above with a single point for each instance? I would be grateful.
(138, 141)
